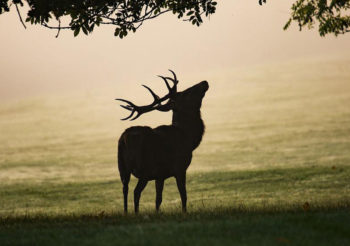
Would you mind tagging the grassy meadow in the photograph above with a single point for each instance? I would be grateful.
(273, 167)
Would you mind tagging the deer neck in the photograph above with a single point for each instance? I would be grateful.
(191, 124)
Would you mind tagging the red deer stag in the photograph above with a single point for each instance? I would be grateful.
(165, 151)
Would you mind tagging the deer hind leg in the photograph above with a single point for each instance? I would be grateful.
(181, 185)
(125, 180)
(159, 191)
(137, 193)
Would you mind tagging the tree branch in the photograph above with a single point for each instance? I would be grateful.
(55, 27)
(20, 17)
(59, 27)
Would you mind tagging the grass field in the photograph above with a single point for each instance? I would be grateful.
(273, 167)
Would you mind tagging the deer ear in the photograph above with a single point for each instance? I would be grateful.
(165, 107)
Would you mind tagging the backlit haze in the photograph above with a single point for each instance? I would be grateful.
(240, 36)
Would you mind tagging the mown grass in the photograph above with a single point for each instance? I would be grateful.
(214, 227)
(318, 186)
(273, 168)
(302, 206)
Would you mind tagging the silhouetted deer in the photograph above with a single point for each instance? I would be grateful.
(165, 151)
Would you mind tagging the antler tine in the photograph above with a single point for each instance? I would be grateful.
(132, 113)
(175, 78)
(155, 96)
(157, 102)
(126, 101)
(166, 82)
(126, 107)
(136, 116)
(130, 107)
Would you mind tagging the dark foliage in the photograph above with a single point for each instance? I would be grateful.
(85, 15)
(331, 16)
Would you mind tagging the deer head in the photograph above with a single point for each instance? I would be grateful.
(188, 101)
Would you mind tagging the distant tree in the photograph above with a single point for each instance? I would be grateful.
(331, 16)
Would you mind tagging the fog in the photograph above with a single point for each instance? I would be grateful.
(240, 35)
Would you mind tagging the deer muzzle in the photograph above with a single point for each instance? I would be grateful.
(204, 85)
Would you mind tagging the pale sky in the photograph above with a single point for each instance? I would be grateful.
(240, 34)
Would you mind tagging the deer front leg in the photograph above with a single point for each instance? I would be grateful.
(141, 184)
(181, 185)
(159, 191)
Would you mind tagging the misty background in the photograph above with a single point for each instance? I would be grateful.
(239, 37)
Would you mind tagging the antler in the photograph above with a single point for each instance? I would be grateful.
(157, 101)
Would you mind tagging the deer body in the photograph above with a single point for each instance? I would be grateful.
(138, 146)
(165, 151)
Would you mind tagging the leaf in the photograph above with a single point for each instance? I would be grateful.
(84, 30)
(76, 31)
(287, 24)
(116, 32)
